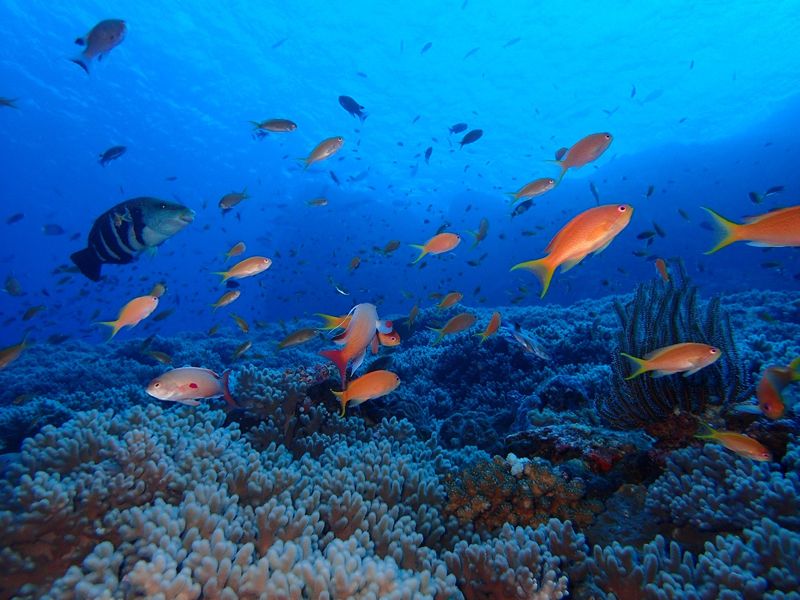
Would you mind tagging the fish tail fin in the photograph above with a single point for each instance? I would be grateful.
(216, 306)
(419, 247)
(226, 390)
(331, 322)
(304, 166)
(794, 366)
(514, 197)
(476, 238)
(88, 262)
(637, 365)
(725, 232)
(542, 268)
(441, 335)
(341, 398)
(257, 125)
(483, 335)
(82, 62)
(706, 432)
(338, 358)
(115, 327)
(363, 117)
(225, 275)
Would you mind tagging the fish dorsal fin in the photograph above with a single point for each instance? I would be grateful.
(209, 371)
(660, 351)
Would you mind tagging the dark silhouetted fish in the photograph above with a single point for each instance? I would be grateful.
(472, 136)
(353, 107)
(428, 153)
(512, 42)
(426, 47)
(52, 229)
(457, 128)
(15, 218)
(121, 233)
(112, 153)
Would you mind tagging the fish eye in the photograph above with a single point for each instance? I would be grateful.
(767, 407)
(340, 139)
(622, 208)
(608, 136)
(156, 385)
(713, 351)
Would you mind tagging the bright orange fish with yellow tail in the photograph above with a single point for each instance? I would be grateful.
(776, 229)
(591, 231)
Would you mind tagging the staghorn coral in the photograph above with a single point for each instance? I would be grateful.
(662, 314)
(518, 492)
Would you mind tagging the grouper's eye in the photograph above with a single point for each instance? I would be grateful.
(156, 385)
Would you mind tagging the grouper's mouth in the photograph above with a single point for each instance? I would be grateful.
(171, 225)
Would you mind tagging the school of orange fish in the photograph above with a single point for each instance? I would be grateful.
(363, 331)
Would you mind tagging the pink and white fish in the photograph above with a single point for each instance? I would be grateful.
(188, 384)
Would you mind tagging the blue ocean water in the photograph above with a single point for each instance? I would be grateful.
(701, 100)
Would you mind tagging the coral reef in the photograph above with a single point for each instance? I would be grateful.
(712, 489)
(517, 492)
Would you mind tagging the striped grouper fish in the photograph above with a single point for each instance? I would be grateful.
(120, 234)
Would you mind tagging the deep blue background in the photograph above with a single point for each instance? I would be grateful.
(180, 89)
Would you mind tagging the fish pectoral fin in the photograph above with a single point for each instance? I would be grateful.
(569, 264)
(662, 373)
(603, 247)
(190, 402)
(152, 252)
(692, 371)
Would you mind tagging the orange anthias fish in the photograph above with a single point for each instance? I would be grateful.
(771, 385)
(661, 267)
(535, 188)
(226, 299)
(104, 37)
(451, 299)
(413, 315)
(776, 229)
(737, 442)
(132, 313)
(480, 235)
(11, 353)
(359, 335)
(457, 324)
(325, 149)
(687, 358)
(591, 231)
(246, 268)
(491, 328)
(228, 201)
(354, 264)
(442, 242)
(584, 151)
(275, 125)
(389, 340)
(188, 384)
(367, 387)
(235, 251)
(332, 322)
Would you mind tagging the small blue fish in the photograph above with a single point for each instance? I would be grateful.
(426, 47)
